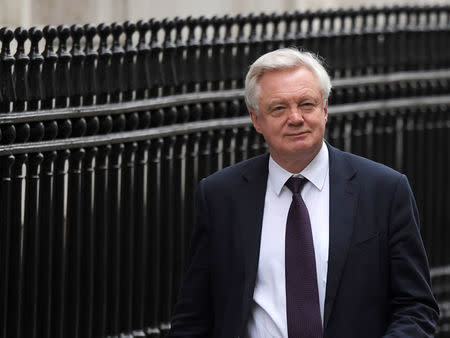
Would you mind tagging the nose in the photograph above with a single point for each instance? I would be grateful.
(296, 115)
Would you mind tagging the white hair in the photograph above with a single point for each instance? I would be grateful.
(280, 59)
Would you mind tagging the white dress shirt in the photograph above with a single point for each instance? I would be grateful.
(268, 313)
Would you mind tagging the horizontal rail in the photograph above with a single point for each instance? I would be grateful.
(120, 108)
(391, 78)
(200, 97)
(439, 271)
(425, 101)
(202, 126)
(128, 136)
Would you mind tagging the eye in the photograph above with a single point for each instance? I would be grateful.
(307, 106)
(277, 110)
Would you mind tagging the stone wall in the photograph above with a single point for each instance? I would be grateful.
(40, 12)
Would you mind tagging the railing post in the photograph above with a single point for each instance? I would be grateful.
(63, 80)
(242, 58)
(76, 66)
(142, 69)
(89, 69)
(7, 86)
(129, 62)
(34, 70)
(229, 46)
(169, 76)
(20, 70)
(103, 65)
(217, 54)
(117, 68)
(154, 65)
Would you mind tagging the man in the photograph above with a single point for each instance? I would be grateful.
(309, 241)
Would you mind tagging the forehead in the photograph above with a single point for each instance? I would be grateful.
(289, 80)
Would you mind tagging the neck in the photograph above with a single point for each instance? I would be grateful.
(295, 164)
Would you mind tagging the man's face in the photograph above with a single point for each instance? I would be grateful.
(292, 114)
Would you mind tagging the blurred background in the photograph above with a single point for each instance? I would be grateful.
(29, 13)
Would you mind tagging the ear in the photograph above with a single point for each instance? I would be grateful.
(255, 121)
(325, 111)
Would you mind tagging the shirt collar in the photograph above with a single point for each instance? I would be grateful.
(316, 171)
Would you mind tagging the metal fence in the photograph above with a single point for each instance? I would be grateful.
(105, 132)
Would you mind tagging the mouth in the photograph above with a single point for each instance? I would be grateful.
(299, 134)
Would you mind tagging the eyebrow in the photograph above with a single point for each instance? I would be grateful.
(309, 98)
(276, 102)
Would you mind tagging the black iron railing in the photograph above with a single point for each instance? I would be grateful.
(105, 132)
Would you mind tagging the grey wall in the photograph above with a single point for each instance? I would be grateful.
(40, 12)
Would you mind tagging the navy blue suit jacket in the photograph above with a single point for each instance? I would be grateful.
(378, 280)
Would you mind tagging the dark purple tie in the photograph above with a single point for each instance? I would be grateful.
(302, 296)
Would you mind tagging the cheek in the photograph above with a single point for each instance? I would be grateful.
(318, 122)
(272, 126)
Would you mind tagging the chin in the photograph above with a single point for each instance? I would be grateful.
(306, 147)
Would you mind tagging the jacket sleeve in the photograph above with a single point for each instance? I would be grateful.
(193, 314)
(413, 308)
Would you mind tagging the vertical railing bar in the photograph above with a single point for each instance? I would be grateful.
(88, 244)
(126, 231)
(101, 320)
(141, 239)
(5, 231)
(17, 237)
(32, 250)
(73, 242)
(155, 215)
(60, 255)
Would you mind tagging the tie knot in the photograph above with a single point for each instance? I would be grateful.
(295, 184)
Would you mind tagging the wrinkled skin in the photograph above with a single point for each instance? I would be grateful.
(292, 116)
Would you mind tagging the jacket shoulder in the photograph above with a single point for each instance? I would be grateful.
(365, 166)
(251, 167)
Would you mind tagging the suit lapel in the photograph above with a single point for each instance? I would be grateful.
(343, 204)
(253, 192)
